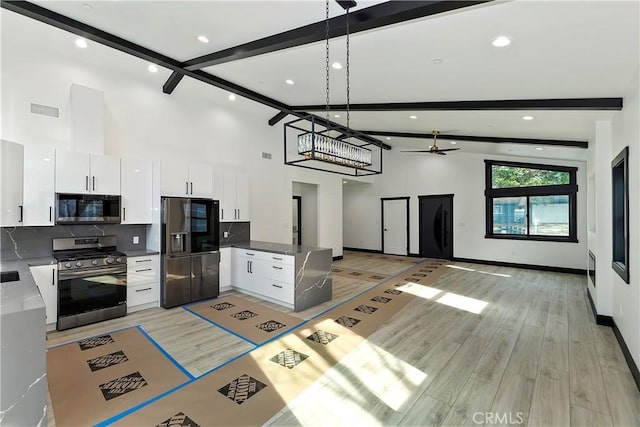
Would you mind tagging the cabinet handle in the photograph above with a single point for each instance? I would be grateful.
(249, 254)
(143, 260)
(222, 213)
(187, 189)
(144, 269)
(21, 212)
(53, 277)
(276, 258)
(276, 286)
(238, 213)
(191, 187)
(142, 290)
(276, 267)
(124, 214)
(93, 184)
(86, 182)
(251, 267)
(50, 213)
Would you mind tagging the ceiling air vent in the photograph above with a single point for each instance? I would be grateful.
(45, 110)
(266, 155)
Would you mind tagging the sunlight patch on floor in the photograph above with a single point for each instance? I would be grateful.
(471, 305)
(457, 267)
(418, 290)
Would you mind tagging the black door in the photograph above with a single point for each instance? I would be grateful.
(436, 226)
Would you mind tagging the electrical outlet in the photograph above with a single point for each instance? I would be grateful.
(225, 234)
(136, 240)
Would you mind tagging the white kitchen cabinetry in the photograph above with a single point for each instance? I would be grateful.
(39, 189)
(267, 275)
(183, 179)
(234, 205)
(136, 185)
(46, 278)
(83, 173)
(11, 202)
(225, 267)
(143, 282)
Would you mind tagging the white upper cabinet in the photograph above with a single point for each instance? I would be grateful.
(136, 184)
(39, 188)
(83, 173)
(11, 202)
(184, 179)
(234, 205)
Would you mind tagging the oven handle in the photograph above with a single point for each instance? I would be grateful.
(63, 275)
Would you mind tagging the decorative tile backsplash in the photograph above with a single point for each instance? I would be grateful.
(36, 242)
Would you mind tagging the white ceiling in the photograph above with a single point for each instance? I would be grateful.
(559, 49)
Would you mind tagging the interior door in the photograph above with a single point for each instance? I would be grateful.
(395, 232)
(436, 226)
(297, 220)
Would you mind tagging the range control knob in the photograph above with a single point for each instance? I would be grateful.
(67, 265)
(94, 262)
(78, 264)
(118, 259)
(109, 260)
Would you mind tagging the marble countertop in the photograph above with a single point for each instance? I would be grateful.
(279, 248)
(21, 295)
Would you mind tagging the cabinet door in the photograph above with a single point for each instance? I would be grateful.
(136, 185)
(228, 210)
(241, 276)
(72, 172)
(200, 180)
(11, 207)
(242, 196)
(39, 188)
(225, 267)
(105, 175)
(46, 279)
(174, 178)
(218, 184)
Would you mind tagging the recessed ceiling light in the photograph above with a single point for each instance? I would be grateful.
(413, 117)
(152, 68)
(232, 97)
(527, 117)
(336, 116)
(87, 6)
(539, 148)
(203, 39)
(501, 41)
(289, 82)
(453, 142)
(388, 138)
(344, 182)
(81, 43)
(337, 65)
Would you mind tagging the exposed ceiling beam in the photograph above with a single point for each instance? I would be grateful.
(491, 139)
(65, 23)
(275, 119)
(172, 82)
(380, 15)
(506, 104)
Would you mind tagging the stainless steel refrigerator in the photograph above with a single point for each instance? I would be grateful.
(190, 250)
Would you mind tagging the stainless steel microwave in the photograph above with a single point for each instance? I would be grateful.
(87, 209)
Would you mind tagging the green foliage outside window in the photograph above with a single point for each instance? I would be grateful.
(511, 176)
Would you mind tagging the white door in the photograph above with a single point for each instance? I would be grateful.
(394, 225)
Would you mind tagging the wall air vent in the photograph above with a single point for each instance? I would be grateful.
(266, 155)
(45, 110)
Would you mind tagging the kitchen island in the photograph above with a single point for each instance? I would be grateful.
(297, 277)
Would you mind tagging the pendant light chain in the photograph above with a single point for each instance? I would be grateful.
(327, 58)
(348, 83)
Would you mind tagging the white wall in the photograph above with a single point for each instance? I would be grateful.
(309, 212)
(460, 174)
(196, 123)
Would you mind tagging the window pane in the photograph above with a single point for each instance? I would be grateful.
(549, 216)
(510, 215)
(511, 176)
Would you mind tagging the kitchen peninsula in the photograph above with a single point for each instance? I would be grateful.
(297, 277)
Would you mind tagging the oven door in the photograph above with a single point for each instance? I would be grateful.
(85, 291)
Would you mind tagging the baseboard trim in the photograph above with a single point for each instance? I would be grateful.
(337, 258)
(578, 271)
(371, 251)
(610, 322)
(415, 255)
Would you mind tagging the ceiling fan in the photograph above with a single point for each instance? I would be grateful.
(433, 149)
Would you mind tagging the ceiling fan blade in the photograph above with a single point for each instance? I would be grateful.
(440, 152)
(416, 151)
(447, 149)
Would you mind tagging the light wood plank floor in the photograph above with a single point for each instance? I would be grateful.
(498, 345)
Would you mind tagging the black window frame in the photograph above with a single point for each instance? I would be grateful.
(620, 214)
(570, 190)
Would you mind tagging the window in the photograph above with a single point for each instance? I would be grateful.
(620, 210)
(530, 201)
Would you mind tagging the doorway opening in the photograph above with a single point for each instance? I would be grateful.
(297, 220)
(307, 214)
(395, 225)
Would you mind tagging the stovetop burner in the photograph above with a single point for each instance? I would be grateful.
(87, 252)
(75, 255)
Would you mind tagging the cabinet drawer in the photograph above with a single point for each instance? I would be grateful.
(141, 270)
(277, 290)
(282, 259)
(141, 294)
(280, 272)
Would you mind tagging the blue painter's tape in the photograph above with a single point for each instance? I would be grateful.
(221, 327)
(167, 355)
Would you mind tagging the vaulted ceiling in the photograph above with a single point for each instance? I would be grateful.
(570, 61)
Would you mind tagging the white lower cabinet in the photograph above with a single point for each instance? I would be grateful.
(143, 282)
(46, 278)
(225, 267)
(264, 274)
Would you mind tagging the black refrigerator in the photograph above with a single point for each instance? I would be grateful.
(190, 250)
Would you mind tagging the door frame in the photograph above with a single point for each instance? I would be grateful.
(432, 196)
(382, 200)
(299, 199)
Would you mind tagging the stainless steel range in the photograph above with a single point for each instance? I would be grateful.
(92, 280)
